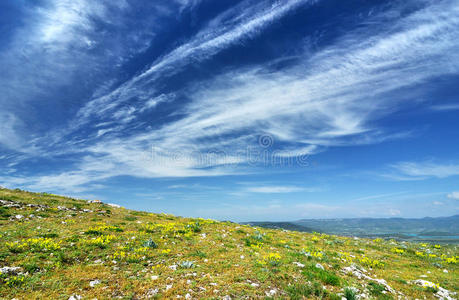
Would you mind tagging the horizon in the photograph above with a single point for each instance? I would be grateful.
(265, 220)
(372, 218)
(239, 110)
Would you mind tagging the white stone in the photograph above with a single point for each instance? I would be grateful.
(319, 266)
(75, 297)
(10, 270)
(93, 283)
(360, 274)
(442, 293)
(298, 264)
(152, 292)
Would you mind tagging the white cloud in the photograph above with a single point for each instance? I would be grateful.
(445, 107)
(422, 170)
(271, 209)
(274, 189)
(324, 99)
(8, 135)
(328, 98)
(454, 195)
(311, 209)
(379, 196)
(155, 101)
(48, 48)
(178, 186)
(230, 27)
(187, 4)
(60, 43)
(394, 212)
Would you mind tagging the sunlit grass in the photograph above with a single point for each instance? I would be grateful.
(136, 254)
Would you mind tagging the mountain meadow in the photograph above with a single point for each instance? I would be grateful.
(63, 248)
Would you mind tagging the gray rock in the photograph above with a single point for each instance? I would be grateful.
(10, 270)
(93, 283)
(298, 264)
(319, 266)
(441, 293)
(360, 275)
(151, 293)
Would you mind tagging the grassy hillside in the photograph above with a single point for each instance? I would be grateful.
(60, 248)
(281, 225)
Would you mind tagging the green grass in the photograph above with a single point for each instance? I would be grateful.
(133, 252)
(349, 294)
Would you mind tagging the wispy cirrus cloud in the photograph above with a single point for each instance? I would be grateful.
(64, 45)
(306, 210)
(422, 170)
(378, 197)
(274, 189)
(8, 126)
(454, 195)
(50, 47)
(445, 107)
(333, 96)
(232, 26)
(280, 211)
(326, 104)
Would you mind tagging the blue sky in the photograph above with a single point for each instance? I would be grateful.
(238, 110)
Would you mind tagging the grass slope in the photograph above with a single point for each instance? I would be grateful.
(54, 247)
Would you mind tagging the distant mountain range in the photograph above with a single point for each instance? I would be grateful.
(441, 229)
